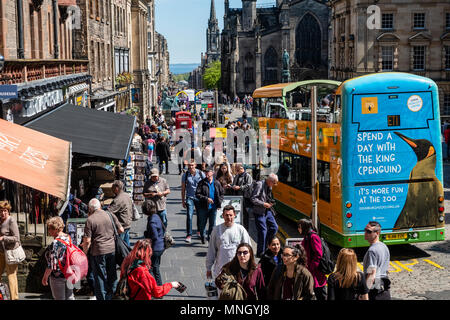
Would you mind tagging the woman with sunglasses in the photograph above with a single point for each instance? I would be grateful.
(291, 280)
(245, 271)
(346, 283)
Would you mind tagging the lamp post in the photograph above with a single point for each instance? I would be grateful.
(314, 183)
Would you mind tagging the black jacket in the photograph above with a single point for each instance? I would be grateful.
(202, 193)
(163, 150)
(268, 264)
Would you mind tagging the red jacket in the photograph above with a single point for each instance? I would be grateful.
(447, 135)
(141, 279)
(313, 248)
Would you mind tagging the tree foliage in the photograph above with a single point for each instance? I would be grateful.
(211, 77)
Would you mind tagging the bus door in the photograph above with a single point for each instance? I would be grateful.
(392, 150)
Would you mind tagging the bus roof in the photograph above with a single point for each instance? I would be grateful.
(280, 89)
(375, 82)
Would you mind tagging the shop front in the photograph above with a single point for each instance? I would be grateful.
(38, 97)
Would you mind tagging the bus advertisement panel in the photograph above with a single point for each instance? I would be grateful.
(392, 157)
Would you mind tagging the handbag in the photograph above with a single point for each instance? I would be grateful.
(122, 248)
(168, 239)
(14, 256)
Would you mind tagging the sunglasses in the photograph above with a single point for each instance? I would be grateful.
(369, 231)
(242, 253)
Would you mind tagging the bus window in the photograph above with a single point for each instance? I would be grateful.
(276, 110)
(323, 176)
(285, 169)
(258, 107)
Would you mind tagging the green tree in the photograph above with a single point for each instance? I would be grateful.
(211, 77)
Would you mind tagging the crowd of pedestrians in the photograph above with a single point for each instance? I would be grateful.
(270, 272)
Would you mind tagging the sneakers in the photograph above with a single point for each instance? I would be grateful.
(188, 239)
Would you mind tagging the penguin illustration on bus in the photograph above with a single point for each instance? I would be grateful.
(421, 207)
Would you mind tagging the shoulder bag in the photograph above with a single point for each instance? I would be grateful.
(122, 248)
(168, 239)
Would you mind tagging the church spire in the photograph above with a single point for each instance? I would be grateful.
(212, 15)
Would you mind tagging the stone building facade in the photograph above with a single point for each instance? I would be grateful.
(402, 36)
(139, 58)
(151, 34)
(254, 39)
(37, 43)
(162, 62)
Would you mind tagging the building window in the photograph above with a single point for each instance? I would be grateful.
(248, 74)
(387, 21)
(419, 58)
(447, 21)
(387, 57)
(419, 20)
(446, 108)
(447, 57)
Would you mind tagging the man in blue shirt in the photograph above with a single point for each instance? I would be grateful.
(210, 195)
(189, 182)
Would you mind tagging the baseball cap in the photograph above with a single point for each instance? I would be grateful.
(154, 173)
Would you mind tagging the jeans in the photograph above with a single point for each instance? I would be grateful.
(267, 228)
(205, 215)
(105, 275)
(156, 262)
(191, 204)
(163, 215)
(60, 289)
(126, 236)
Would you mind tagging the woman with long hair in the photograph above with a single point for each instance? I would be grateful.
(271, 258)
(291, 280)
(245, 271)
(225, 177)
(136, 267)
(347, 283)
(313, 247)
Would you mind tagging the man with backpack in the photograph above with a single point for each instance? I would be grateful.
(189, 183)
(262, 202)
(242, 186)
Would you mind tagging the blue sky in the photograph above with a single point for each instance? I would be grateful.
(184, 24)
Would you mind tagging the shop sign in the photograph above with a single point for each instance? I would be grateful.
(8, 91)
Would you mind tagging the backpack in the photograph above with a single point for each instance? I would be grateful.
(76, 263)
(232, 290)
(123, 289)
(326, 264)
